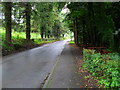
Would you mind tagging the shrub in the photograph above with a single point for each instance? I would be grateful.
(7, 47)
(104, 67)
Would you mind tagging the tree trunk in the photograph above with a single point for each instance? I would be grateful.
(48, 34)
(28, 25)
(93, 27)
(84, 33)
(89, 24)
(42, 35)
(42, 32)
(45, 34)
(8, 8)
(75, 31)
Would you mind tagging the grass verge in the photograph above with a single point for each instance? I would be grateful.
(71, 42)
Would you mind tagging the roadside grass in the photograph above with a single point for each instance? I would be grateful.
(71, 42)
(18, 35)
(39, 41)
(18, 40)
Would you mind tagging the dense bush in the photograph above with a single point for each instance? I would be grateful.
(7, 47)
(104, 67)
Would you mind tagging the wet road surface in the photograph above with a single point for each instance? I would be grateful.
(29, 68)
(64, 74)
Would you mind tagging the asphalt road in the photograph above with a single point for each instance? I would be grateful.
(64, 74)
(28, 69)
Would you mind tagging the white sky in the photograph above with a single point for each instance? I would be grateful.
(65, 10)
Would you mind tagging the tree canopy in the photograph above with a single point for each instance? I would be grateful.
(95, 24)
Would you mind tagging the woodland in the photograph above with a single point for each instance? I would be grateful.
(96, 28)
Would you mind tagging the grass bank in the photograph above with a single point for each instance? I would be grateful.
(19, 42)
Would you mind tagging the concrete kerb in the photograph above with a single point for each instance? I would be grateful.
(48, 79)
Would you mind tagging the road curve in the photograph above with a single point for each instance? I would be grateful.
(29, 68)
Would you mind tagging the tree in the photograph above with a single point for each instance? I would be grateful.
(49, 18)
(8, 8)
(91, 24)
(28, 15)
(115, 12)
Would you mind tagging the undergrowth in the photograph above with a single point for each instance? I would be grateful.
(19, 41)
(104, 67)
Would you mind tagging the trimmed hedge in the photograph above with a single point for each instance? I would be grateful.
(104, 67)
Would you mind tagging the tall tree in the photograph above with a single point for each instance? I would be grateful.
(8, 8)
(115, 11)
(28, 25)
(89, 26)
(49, 18)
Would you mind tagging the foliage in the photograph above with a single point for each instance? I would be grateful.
(7, 47)
(19, 35)
(105, 67)
(18, 38)
(41, 41)
(95, 24)
(50, 23)
(44, 17)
